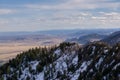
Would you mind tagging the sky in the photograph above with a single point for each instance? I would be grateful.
(36, 15)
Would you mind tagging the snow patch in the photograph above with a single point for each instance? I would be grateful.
(83, 67)
(99, 62)
(93, 50)
(116, 66)
(40, 76)
(57, 52)
(34, 64)
(75, 60)
(105, 51)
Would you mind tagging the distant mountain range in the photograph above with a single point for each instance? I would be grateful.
(87, 38)
(113, 38)
(110, 38)
(80, 35)
(72, 32)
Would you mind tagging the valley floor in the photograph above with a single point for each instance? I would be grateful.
(9, 50)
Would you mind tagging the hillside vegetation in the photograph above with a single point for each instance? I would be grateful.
(68, 61)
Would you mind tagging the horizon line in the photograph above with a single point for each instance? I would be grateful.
(61, 29)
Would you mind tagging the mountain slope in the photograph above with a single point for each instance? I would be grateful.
(69, 61)
(87, 38)
(113, 38)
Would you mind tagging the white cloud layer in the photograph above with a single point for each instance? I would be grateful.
(78, 4)
(6, 11)
(65, 15)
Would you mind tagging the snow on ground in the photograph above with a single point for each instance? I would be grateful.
(61, 64)
(82, 68)
(75, 60)
(57, 52)
(113, 54)
(40, 76)
(93, 50)
(75, 77)
(105, 51)
(5, 77)
(34, 64)
(116, 66)
(99, 62)
(25, 73)
(112, 62)
(91, 70)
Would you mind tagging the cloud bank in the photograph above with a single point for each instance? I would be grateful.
(65, 14)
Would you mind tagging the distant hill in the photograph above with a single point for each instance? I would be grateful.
(113, 38)
(63, 33)
(87, 38)
(93, 31)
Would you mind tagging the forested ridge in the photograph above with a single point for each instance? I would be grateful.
(68, 61)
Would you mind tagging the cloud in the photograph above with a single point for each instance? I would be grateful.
(65, 20)
(6, 11)
(78, 4)
(68, 14)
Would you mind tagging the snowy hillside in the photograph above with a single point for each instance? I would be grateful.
(69, 61)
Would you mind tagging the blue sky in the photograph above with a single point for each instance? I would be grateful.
(35, 15)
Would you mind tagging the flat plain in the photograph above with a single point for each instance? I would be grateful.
(10, 49)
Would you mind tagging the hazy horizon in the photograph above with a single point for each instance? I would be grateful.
(117, 29)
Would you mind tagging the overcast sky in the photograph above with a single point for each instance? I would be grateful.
(35, 15)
